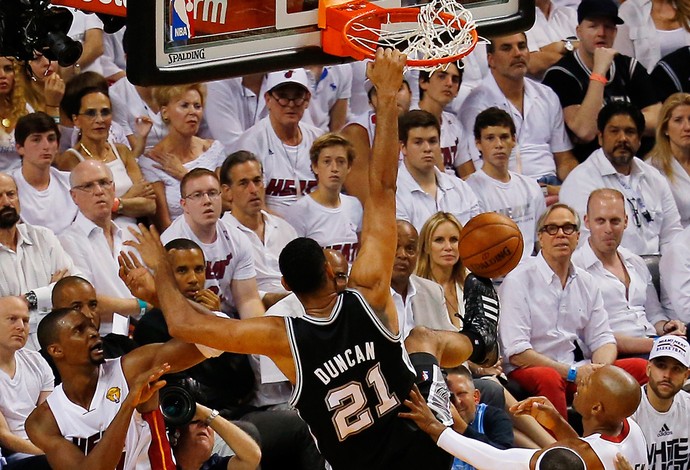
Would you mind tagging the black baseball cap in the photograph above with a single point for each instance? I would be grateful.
(598, 9)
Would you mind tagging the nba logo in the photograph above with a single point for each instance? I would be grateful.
(182, 29)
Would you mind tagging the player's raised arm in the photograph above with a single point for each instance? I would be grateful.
(371, 271)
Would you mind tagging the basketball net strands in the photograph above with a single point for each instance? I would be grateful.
(438, 33)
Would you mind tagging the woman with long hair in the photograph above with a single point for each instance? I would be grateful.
(43, 86)
(12, 107)
(90, 111)
(671, 153)
(181, 108)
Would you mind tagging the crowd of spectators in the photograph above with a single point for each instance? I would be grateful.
(577, 129)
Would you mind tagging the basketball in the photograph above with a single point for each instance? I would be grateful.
(490, 245)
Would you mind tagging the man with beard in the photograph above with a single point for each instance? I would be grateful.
(31, 258)
(664, 412)
(649, 205)
(89, 420)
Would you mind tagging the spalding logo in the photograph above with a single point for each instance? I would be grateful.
(113, 394)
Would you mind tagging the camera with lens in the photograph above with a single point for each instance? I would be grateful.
(178, 399)
(30, 26)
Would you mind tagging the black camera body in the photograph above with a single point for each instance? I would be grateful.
(178, 400)
(30, 26)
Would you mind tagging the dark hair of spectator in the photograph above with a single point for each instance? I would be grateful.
(331, 139)
(79, 86)
(493, 117)
(234, 159)
(425, 74)
(372, 90)
(48, 330)
(303, 265)
(491, 47)
(560, 458)
(182, 244)
(34, 123)
(194, 174)
(66, 282)
(414, 119)
(620, 108)
(461, 371)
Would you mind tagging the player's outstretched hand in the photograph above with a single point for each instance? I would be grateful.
(386, 71)
(148, 244)
(421, 414)
(146, 384)
(137, 277)
(541, 409)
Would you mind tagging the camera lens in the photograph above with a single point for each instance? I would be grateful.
(63, 49)
(177, 405)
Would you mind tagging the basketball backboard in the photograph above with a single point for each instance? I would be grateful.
(194, 40)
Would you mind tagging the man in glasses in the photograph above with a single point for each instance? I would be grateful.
(653, 218)
(556, 332)
(230, 269)
(93, 241)
(282, 140)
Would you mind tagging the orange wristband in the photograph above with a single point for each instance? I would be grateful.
(599, 78)
(116, 205)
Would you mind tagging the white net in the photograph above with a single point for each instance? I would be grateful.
(442, 31)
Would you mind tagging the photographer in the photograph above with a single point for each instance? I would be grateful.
(193, 443)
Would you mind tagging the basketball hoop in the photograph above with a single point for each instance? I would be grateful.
(432, 36)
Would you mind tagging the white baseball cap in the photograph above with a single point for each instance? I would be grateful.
(671, 346)
(296, 76)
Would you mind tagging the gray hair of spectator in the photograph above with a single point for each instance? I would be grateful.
(48, 329)
(194, 174)
(64, 283)
(605, 192)
(660, 155)
(550, 209)
(91, 163)
(620, 108)
(493, 117)
(413, 119)
(34, 123)
(491, 47)
(234, 159)
(331, 139)
(560, 458)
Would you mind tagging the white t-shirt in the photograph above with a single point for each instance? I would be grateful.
(334, 228)
(128, 105)
(287, 170)
(19, 394)
(81, 23)
(230, 109)
(86, 427)
(521, 199)
(53, 207)
(667, 434)
(335, 83)
(210, 159)
(228, 258)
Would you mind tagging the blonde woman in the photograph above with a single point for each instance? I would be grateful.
(12, 107)
(181, 108)
(671, 153)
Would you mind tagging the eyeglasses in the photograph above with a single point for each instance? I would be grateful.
(552, 229)
(198, 195)
(284, 99)
(91, 187)
(636, 212)
(91, 113)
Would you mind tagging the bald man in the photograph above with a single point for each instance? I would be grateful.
(606, 399)
(94, 241)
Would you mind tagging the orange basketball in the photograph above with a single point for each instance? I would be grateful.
(491, 245)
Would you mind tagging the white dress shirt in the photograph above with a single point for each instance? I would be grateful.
(415, 206)
(647, 189)
(539, 314)
(674, 270)
(632, 311)
(560, 25)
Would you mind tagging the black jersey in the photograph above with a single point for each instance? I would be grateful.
(628, 81)
(352, 376)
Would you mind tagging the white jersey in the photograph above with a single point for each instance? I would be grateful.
(84, 428)
(228, 258)
(334, 228)
(287, 169)
(367, 120)
(630, 443)
(667, 434)
(521, 199)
